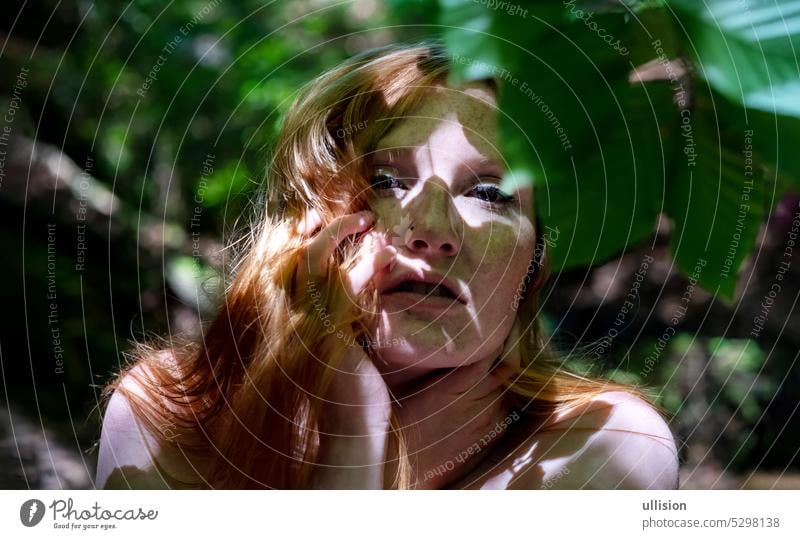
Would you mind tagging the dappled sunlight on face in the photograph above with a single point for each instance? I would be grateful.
(464, 243)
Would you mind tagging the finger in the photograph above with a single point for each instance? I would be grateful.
(322, 246)
(310, 222)
(368, 266)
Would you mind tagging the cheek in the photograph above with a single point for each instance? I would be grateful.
(388, 219)
(503, 254)
(497, 283)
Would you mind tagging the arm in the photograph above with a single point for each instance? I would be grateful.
(131, 458)
(351, 463)
(354, 430)
(356, 419)
(355, 422)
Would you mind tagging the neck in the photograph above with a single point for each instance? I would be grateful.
(405, 380)
(401, 381)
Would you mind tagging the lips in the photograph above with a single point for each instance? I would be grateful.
(426, 284)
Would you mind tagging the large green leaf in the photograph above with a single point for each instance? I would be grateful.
(774, 137)
(748, 51)
(572, 122)
(717, 199)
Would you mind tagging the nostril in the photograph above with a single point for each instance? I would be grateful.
(419, 244)
(447, 248)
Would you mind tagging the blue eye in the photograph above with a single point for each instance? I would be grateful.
(491, 193)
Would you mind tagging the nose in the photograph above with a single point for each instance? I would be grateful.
(435, 226)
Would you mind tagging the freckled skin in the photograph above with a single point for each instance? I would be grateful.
(484, 248)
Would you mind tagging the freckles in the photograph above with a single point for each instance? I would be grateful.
(412, 131)
(505, 241)
(385, 210)
(494, 256)
(503, 251)
(479, 116)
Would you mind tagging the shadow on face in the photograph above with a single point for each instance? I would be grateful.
(464, 242)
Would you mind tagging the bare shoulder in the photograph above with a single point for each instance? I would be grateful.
(632, 447)
(129, 452)
(615, 441)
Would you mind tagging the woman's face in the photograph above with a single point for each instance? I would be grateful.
(437, 178)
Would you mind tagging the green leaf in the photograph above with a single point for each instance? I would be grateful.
(717, 201)
(774, 137)
(470, 38)
(571, 122)
(746, 50)
(606, 155)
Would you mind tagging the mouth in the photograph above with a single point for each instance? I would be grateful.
(424, 289)
(422, 292)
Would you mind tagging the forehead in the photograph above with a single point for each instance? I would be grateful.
(448, 117)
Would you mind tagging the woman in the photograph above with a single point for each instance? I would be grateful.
(380, 327)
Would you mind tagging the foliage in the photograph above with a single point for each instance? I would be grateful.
(715, 388)
(618, 112)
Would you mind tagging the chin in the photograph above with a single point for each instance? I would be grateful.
(408, 340)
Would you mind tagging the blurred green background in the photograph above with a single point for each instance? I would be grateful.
(133, 134)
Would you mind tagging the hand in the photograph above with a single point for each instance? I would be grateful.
(323, 241)
(451, 422)
(355, 420)
(359, 398)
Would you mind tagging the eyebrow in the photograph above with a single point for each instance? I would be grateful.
(392, 154)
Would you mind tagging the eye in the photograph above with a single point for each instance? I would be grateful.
(385, 178)
(491, 193)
